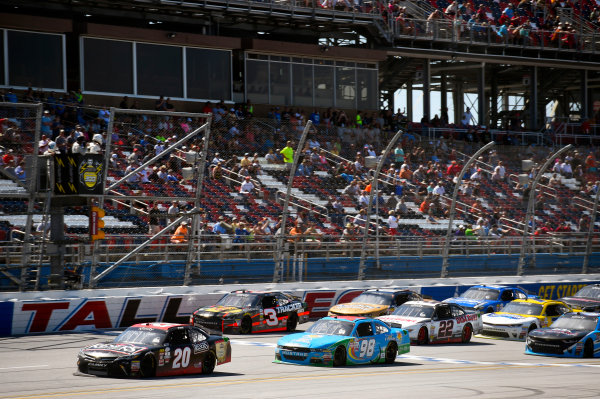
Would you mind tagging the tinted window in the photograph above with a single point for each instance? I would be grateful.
(159, 70)
(35, 60)
(367, 91)
(257, 81)
(208, 74)
(279, 75)
(302, 85)
(456, 311)
(345, 93)
(108, 66)
(323, 86)
(381, 328)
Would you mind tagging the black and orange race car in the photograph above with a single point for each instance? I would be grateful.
(156, 349)
(247, 312)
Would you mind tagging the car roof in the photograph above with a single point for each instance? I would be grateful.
(492, 286)
(256, 292)
(160, 326)
(429, 303)
(390, 291)
(540, 301)
(353, 319)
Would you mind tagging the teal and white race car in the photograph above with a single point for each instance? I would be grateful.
(343, 340)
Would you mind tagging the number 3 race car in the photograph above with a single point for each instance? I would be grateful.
(344, 340)
(156, 349)
(435, 322)
(571, 335)
(248, 312)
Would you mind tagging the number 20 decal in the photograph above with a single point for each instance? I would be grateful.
(367, 347)
(181, 357)
(445, 328)
(271, 317)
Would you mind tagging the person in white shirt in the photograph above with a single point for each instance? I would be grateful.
(566, 169)
(363, 200)
(477, 175)
(500, 170)
(467, 117)
(392, 223)
(247, 186)
(78, 146)
(43, 146)
(439, 189)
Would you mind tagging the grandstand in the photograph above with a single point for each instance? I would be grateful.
(249, 75)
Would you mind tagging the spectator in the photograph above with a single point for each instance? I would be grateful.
(181, 234)
(247, 186)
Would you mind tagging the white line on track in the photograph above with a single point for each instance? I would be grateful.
(22, 367)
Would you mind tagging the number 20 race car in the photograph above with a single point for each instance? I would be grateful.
(435, 322)
(343, 340)
(156, 349)
(248, 312)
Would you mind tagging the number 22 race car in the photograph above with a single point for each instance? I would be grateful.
(156, 349)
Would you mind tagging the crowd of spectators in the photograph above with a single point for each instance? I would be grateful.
(340, 153)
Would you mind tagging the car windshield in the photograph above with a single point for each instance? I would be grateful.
(141, 335)
(239, 300)
(591, 291)
(523, 308)
(375, 298)
(410, 310)
(481, 294)
(331, 327)
(574, 321)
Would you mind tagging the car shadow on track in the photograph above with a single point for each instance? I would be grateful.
(167, 377)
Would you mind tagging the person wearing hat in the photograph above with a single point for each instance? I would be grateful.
(245, 162)
(43, 144)
(247, 186)
(181, 234)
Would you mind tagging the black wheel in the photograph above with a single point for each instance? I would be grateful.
(588, 349)
(148, 366)
(246, 327)
(390, 352)
(339, 356)
(209, 362)
(82, 367)
(292, 322)
(467, 333)
(422, 336)
(489, 310)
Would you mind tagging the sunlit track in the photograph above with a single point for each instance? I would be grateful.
(481, 369)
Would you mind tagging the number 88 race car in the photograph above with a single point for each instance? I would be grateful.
(156, 349)
(435, 322)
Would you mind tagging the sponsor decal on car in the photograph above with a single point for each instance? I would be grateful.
(200, 347)
(135, 365)
(288, 308)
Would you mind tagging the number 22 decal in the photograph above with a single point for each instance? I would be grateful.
(445, 329)
(271, 317)
(181, 357)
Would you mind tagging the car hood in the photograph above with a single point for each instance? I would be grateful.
(557, 333)
(110, 349)
(352, 308)
(506, 319)
(403, 321)
(218, 311)
(578, 302)
(303, 340)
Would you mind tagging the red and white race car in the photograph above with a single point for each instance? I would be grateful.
(431, 322)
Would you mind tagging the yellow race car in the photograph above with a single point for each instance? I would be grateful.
(519, 317)
(373, 303)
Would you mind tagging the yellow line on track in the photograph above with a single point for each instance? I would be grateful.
(107, 391)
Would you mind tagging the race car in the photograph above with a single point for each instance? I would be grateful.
(344, 340)
(431, 322)
(489, 298)
(587, 298)
(247, 312)
(156, 349)
(520, 317)
(571, 335)
(373, 303)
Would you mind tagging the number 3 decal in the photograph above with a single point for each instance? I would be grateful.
(182, 357)
(271, 317)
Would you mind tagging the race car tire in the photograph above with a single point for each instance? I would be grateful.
(588, 349)
(292, 322)
(467, 333)
(83, 368)
(209, 362)
(148, 366)
(489, 310)
(422, 336)
(339, 356)
(246, 326)
(391, 352)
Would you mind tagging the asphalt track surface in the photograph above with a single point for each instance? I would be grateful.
(43, 366)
